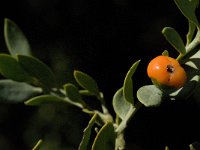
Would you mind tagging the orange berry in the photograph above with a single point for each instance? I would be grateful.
(167, 71)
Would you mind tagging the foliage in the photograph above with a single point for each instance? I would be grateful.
(31, 81)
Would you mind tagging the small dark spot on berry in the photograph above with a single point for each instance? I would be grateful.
(170, 68)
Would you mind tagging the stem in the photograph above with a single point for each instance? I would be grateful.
(129, 115)
(190, 48)
(120, 142)
(106, 113)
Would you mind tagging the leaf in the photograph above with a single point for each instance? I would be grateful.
(15, 92)
(73, 94)
(38, 145)
(174, 39)
(123, 124)
(86, 82)
(194, 61)
(194, 3)
(38, 69)
(43, 99)
(10, 68)
(85, 143)
(46, 99)
(191, 32)
(165, 53)
(120, 105)
(105, 139)
(187, 7)
(15, 39)
(128, 83)
(150, 95)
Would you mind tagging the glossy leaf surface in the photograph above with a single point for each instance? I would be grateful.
(15, 92)
(15, 39)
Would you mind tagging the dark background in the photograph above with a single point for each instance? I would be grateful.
(102, 38)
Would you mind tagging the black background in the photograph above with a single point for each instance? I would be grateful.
(102, 38)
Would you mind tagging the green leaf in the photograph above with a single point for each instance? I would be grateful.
(194, 61)
(43, 99)
(174, 39)
(165, 53)
(187, 7)
(73, 94)
(120, 105)
(123, 124)
(194, 3)
(128, 83)
(86, 82)
(46, 99)
(150, 95)
(38, 145)
(105, 139)
(15, 92)
(39, 70)
(191, 32)
(85, 143)
(10, 68)
(15, 39)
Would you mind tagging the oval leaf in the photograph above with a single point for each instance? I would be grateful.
(10, 68)
(174, 39)
(85, 143)
(120, 105)
(43, 99)
(86, 82)
(105, 139)
(128, 83)
(15, 39)
(73, 94)
(14, 92)
(187, 7)
(150, 95)
(38, 69)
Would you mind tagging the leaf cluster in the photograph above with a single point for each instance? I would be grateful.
(29, 80)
